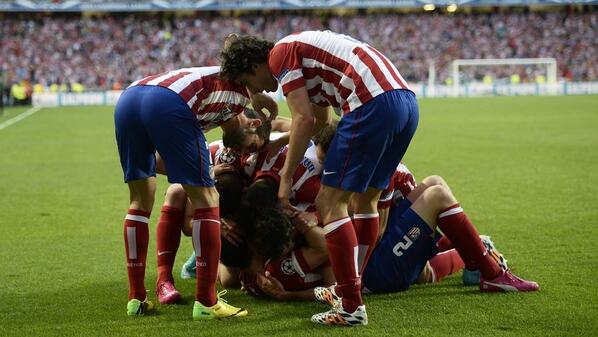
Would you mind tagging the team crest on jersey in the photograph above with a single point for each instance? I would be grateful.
(224, 114)
(414, 233)
(226, 157)
(287, 266)
(282, 74)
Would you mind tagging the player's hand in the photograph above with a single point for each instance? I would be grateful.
(230, 232)
(284, 191)
(271, 286)
(261, 101)
(223, 168)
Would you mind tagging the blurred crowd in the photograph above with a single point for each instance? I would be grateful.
(76, 53)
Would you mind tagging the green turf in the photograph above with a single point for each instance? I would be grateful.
(524, 168)
(11, 112)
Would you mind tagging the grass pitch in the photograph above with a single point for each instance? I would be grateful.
(525, 169)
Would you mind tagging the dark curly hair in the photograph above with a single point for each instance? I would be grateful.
(272, 234)
(230, 188)
(271, 231)
(242, 54)
(325, 135)
(259, 197)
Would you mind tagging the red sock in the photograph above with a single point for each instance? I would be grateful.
(136, 241)
(366, 230)
(458, 228)
(168, 237)
(206, 241)
(443, 244)
(342, 252)
(446, 263)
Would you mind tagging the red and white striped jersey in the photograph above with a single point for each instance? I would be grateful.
(222, 155)
(401, 184)
(306, 180)
(212, 99)
(245, 164)
(293, 272)
(336, 69)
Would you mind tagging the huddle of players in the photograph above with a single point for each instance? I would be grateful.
(270, 252)
(319, 72)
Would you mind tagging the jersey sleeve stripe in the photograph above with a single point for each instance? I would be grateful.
(191, 90)
(374, 69)
(393, 71)
(170, 80)
(293, 85)
(291, 76)
(149, 78)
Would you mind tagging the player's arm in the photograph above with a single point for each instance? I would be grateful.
(281, 124)
(302, 124)
(273, 288)
(323, 118)
(260, 101)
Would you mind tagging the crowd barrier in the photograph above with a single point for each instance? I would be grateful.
(422, 91)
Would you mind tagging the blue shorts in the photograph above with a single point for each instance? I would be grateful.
(370, 141)
(398, 260)
(150, 118)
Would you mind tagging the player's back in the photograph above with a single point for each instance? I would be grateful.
(211, 98)
(338, 70)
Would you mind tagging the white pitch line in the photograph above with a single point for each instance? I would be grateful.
(20, 117)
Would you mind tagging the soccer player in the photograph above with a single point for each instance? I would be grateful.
(176, 213)
(169, 113)
(379, 117)
(177, 216)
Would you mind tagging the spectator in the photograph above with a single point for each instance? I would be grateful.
(98, 50)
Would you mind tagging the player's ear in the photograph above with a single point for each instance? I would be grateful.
(254, 122)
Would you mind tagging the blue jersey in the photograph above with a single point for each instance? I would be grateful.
(401, 255)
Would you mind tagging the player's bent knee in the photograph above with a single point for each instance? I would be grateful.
(175, 196)
(439, 196)
(434, 180)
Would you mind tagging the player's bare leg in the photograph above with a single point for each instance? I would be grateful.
(341, 241)
(425, 184)
(206, 242)
(229, 276)
(438, 207)
(136, 234)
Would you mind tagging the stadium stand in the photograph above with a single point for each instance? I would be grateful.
(108, 51)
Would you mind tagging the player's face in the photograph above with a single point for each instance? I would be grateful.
(261, 80)
(252, 143)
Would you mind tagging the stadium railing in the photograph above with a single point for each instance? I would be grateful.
(422, 91)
